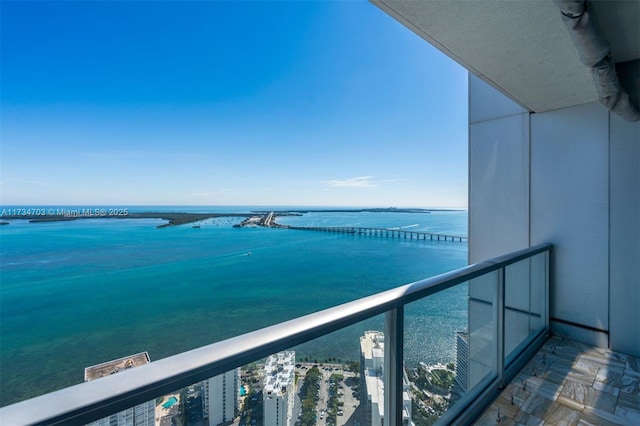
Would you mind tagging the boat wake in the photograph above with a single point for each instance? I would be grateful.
(396, 228)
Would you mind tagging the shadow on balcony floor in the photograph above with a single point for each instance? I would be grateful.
(571, 383)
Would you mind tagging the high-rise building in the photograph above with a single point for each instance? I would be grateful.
(372, 376)
(140, 415)
(462, 360)
(221, 397)
(279, 392)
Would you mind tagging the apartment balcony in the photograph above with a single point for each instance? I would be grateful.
(508, 323)
(512, 371)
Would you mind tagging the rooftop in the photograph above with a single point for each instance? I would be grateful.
(372, 344)
(279, 371)
(115, 366)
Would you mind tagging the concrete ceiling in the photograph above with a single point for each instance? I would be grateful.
(521, 47)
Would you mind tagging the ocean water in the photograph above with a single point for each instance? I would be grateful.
(78, 293)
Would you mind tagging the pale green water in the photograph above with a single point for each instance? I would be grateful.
(78, 293)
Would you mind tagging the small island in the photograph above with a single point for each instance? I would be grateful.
(173, 218)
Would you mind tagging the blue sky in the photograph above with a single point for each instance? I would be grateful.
(329, 103)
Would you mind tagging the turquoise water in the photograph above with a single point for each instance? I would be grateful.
(170, 403)
(74, 294)
(243, 391)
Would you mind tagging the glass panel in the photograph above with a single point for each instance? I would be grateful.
(525, 303)
(539, 297)
(516, 332)
(517, 277)
(433, 325)
(340, 376)
(482, 331)
(517, 301)
(450, 347)
(333, 380)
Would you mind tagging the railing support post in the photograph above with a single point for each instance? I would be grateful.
(500, 326)
(393, 366)
(547, 275)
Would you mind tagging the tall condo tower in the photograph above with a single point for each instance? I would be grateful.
(279, 391)
(372, 377)
(222, 397)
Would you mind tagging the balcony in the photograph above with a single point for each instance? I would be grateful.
(507, 323)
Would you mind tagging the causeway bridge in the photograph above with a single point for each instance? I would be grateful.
(268, 220)
(379, 232)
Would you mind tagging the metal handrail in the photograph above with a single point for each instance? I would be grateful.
(90, 401)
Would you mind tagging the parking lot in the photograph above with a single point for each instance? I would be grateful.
(345, 390)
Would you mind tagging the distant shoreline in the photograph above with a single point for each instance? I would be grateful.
(181, 218)
(366, 210)
(174, 218)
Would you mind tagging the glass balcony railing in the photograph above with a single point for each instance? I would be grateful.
(393, 372)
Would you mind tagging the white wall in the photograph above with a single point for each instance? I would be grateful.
(498, 173)
(624, 238)
(569, 177)
(570, 208)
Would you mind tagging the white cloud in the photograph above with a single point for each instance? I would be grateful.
(355, 182)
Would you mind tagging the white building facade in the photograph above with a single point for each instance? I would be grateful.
(462, 360)
(372, 378)
(222, 397)
(279, 389)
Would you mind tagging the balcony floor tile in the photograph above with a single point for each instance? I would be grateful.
(571, 383)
